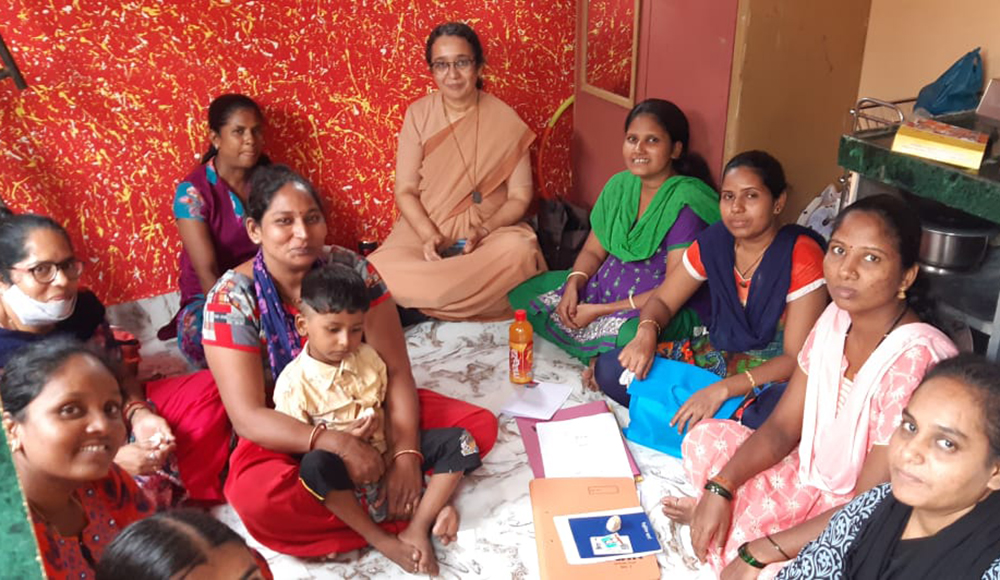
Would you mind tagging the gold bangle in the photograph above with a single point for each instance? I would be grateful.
(654, 323)
(315, 434)
(578, 273)
(753, 383)
(409, 451)
(777, 547)
(630, 300)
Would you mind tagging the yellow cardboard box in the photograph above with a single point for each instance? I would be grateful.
(941, 142)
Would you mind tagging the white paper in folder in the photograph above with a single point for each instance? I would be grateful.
(589, 446)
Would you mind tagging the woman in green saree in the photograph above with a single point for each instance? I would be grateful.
(643, 220)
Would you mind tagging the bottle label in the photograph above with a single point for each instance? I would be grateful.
(521, 360)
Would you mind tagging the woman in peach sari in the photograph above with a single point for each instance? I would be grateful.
(463, 176)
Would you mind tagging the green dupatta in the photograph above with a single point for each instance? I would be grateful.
(613, 217)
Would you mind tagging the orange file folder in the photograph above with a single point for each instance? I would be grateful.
(565, 496)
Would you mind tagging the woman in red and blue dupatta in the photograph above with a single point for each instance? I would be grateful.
(249, 337)
(767, 290)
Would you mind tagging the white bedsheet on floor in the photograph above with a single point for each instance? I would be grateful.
(496, 540)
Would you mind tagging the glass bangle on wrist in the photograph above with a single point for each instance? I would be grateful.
(717, 488)
(746, 556)
(723, 482)
(132, 408)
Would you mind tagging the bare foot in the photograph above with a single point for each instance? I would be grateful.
(588, 376)
(446, 525)
(679, 509)
(427, 564)
(407, 555)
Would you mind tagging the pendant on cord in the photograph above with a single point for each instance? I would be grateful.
(477, 197)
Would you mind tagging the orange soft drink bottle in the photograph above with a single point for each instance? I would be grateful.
(521, 347)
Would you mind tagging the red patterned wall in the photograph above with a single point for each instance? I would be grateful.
(114, 115)
(610, 27)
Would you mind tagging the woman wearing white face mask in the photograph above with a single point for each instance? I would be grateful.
(40, 297)
(32, 313)
(39, 283)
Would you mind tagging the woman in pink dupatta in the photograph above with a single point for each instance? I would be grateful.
(765, 494)
(463, 172)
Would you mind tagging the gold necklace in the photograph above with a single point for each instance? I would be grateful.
(477, 197)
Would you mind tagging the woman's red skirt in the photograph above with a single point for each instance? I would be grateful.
(263, 486)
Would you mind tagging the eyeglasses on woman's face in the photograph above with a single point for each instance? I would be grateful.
(45, 272)
(441, 67)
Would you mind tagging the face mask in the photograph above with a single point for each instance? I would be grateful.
(31, 312)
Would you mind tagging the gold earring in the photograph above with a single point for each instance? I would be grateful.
(15, 445)
(901, 294)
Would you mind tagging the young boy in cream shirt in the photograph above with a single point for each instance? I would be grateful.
(339, 382)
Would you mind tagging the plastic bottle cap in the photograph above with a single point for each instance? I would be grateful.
(520, 315)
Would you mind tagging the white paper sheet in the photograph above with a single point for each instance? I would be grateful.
(537, 402)
(583, 447)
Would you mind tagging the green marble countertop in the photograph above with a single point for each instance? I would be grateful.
(18, 550)
(976, 193)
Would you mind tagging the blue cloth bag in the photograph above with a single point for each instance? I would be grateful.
(656, 398)
(957, 89)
